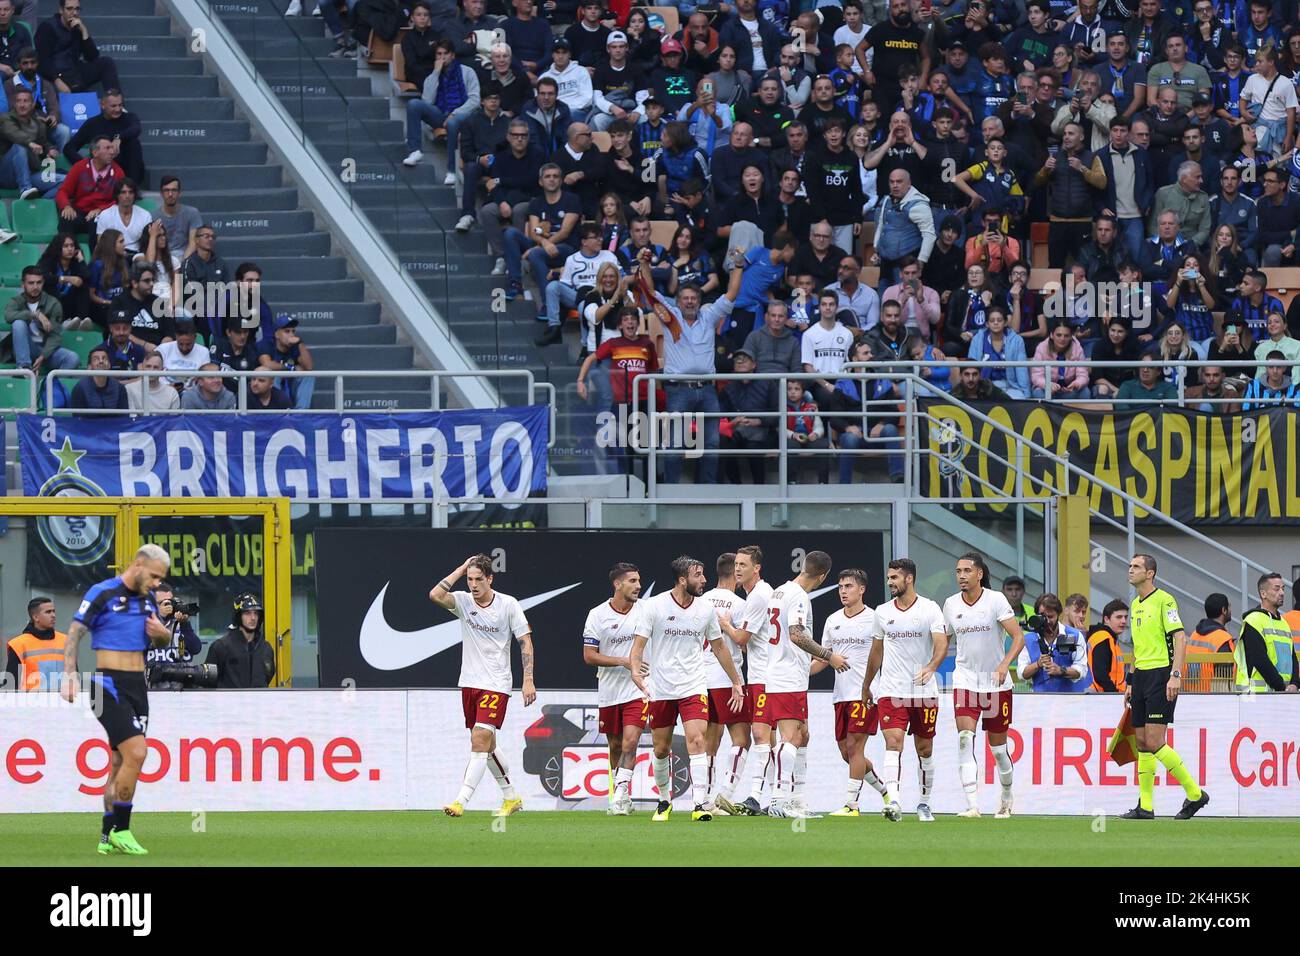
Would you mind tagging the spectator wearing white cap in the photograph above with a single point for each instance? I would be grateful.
(618, 85)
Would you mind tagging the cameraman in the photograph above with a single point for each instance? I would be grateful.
(185, 643)
(1056, 660)
(242, 655)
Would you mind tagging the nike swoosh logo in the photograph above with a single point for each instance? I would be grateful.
(387, 649)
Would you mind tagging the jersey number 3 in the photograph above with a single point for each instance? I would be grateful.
(776, 623)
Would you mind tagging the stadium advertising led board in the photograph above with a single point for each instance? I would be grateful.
(404, 750)
(379, 629)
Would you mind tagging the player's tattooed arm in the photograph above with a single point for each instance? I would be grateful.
(70, 685)
(801, 639)
(526, 655)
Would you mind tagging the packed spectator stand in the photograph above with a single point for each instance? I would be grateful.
(974, 182)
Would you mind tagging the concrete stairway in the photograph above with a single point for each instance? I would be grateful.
(361, 120)
(193, 131)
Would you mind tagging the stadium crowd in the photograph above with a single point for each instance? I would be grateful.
(147, 287)
(968, 183)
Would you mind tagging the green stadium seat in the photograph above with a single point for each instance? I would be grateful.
(63, 164)
(35, 220)
(82, 343)
(14, 257)
(150, 203)
(85, 252)
(14, 393)
(4, 216)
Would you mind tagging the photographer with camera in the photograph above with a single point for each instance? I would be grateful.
(1055, 654)
(171, 667)
(242, 655)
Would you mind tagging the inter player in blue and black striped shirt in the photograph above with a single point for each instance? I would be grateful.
(122, 619)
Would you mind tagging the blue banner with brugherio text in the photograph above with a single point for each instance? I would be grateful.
(495, 453)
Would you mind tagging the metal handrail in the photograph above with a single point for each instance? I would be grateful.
(1133, 503)
(434, 376)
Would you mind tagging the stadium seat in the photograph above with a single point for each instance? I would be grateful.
(82, 343)
(397, 70)
(661, 232)
(14, 257)
(1040, 277)
(381, 51)
(672, 19)
(4, 216)
(14, 393)
(1038, 245)
(35, 220)
(601, 140)
(149, 203)
(1283, 282)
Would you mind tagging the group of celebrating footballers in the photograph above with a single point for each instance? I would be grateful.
(678, 655)
(885, 660)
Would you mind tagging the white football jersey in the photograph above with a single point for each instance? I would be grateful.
(851, 637)
(485, 634)
(754, 620)
(787, 663)
(730, 604)
(610, 632)
(977, 629)
(677, 636)
(909, 645)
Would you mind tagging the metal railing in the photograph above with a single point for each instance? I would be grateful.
(1132, 504)
(434, 377)
(904, 366)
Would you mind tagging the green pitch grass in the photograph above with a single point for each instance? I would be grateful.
(588, 839)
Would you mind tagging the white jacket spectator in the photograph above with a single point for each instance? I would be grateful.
(126, 217)
(574, 82)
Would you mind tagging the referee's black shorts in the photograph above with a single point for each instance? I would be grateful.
(1149, 701)
(121, 703)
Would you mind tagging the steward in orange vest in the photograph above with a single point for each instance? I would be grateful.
(1209, 637)
(35, 657)
(1104, 661)
(1292, 616)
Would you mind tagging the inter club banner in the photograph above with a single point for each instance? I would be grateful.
(378, 627)
(1197, 467)
(353, 749)
(495, 453)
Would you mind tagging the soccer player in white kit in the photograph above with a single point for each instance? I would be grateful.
(488, 619)
(729, 606)
(911, 641)
(751, 634)
(792, 650)
(976, 617)
(678, 626)
(607, 645)
(849, 632)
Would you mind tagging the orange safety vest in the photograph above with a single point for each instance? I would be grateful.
(1097, 637)
(41, 661)
(1199, 674)
(1293, 618)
